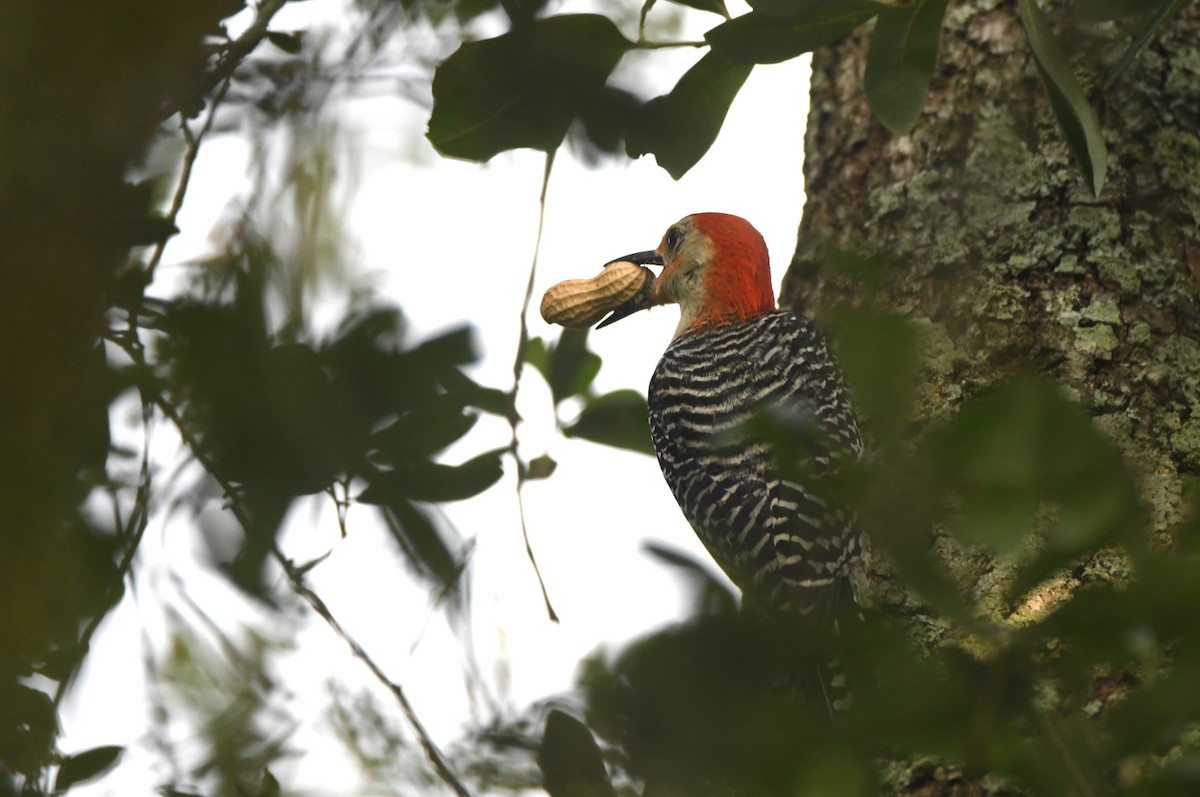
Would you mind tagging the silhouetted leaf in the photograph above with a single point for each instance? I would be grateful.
(521, 89)
(30, 726)
(542, 467)
(1075, 116)
(619, 419)
(570, 760)
(300, 413)
(423, 546)
(86, 766)
(433, 482)
(147, 230)
(712, 595)
(425, 432)
(291, 43)
(570, 367)
(679, 127)
(537, 354)
(900, 61)
(764, 37)
(470, 393)
(1142, 31)
(608, 116)
(456, 347)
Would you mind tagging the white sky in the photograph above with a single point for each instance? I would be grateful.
(452, 242)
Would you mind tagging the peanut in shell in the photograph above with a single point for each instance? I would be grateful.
(580, 303)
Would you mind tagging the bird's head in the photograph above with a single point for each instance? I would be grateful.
(715, 267)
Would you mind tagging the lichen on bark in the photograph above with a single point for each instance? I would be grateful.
(1005, 263)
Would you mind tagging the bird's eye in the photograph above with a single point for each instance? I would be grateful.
(674, 238)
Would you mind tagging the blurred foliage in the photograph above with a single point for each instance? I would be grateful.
(108, 118)
(619, 418)
(230, 688)
(276, 419)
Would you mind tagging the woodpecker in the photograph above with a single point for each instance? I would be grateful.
(790, 549)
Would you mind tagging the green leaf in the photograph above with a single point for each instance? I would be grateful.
(1075, 116)
(537, 354)
(456, 347)
(570, 761)
(424, 548)
(1024, 444)
(1142, 31)
(571, 367)
(765, 37)
(470, 393)
(900, 61)
(521, 89)
(541, 467)
(433, 482)
(86, 766)
(713, 596)
(608, 116)
(147, 230)
(619, 419)
(679, 127)
(423, 433)
(878, 353)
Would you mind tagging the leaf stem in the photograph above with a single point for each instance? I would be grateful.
(519, 368)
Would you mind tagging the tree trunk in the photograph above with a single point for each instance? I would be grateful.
(1005, 262)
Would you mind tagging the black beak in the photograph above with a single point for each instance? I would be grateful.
(641, 299)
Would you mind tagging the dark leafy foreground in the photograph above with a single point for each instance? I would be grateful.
(1081, 680)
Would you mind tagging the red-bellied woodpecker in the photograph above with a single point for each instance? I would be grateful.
(790, 548)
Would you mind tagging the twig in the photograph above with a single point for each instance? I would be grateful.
(185, 173)
(135, 528)
(649, 45)
(518, 369)
(131, 533)
(427, 744)
(242, 46)
(296, 580)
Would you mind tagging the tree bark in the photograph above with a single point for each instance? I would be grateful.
(1004, 261)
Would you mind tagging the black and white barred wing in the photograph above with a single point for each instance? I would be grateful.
(777, 537)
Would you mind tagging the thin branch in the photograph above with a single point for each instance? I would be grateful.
(131, 533)
(185, 174)
(427, 744)
(641, 34)
(518, 369)
(296, 580)
(645, 44)
(242, 46)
